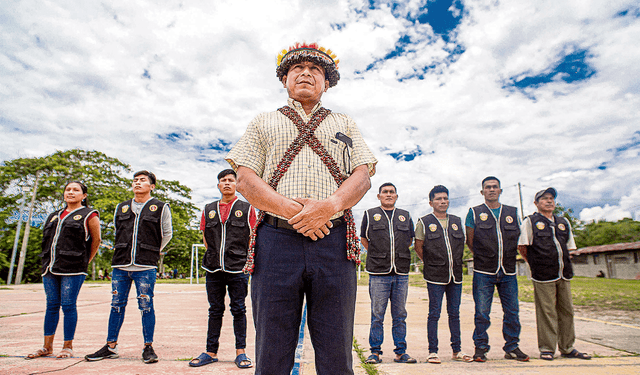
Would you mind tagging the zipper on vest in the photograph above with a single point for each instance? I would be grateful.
(448, 244)
(499, 232)
(559, 250)
(391, 238)
(134, 244)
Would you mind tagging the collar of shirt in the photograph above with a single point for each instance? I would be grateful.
(298, 107)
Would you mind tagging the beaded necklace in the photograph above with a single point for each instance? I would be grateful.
(306, 136)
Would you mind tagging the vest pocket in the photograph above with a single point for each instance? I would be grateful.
(149, 247)
(238, 223)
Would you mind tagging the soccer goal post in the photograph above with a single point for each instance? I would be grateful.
(195, 256)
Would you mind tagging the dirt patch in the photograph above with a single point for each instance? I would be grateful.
(608, 315)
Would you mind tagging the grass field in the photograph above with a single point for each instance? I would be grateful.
(593, 292)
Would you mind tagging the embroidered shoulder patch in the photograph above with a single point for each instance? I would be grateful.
(540, 225)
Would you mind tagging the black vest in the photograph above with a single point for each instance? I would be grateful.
(388, 252)
(227, 242)
(66, 243)
(489, 253)
(138, 237)
(442, 255)
(543, 255)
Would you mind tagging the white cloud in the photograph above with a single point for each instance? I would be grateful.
(73, 75)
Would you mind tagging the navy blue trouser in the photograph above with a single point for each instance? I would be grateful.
(217, 285)
(288, 268)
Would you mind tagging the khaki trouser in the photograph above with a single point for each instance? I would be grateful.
(554, 316)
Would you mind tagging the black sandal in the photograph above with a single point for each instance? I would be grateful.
(576, 354)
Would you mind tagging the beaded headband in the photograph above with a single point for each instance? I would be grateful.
(309, 52)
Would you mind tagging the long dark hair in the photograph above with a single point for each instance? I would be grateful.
(85, 201)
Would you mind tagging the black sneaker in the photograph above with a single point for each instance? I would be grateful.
(148, 355)
(104, 352)
(480, 355)
(517, 354)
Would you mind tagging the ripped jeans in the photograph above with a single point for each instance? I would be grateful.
(120, 286)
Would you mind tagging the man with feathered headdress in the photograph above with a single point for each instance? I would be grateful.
(303, 167)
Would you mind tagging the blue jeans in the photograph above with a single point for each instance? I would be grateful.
(61, 291)
(381, 290)
(289, 268)
(217, 285)
(120, 286)
(483, 287)
(436, 293)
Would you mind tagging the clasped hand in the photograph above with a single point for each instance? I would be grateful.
(313, 220)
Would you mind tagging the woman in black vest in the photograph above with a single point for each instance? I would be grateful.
(70, 240)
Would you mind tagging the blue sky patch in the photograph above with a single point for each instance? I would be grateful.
(146, 74)
(175, 136)
(569, 68)
(443, 16)
(406, 155)
(632, 12)
(633, 143)
(220, 145)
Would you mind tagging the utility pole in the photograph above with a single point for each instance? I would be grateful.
(521, 207)
(27, 229)
(17, 239)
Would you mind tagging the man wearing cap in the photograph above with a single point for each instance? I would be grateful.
(387, 233)
(492, 236)
(303, 167)
(440, 244)
(226, 229)
(545, 243)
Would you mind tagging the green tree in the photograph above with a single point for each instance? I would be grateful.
(568, 214)
(107, 186)
(606, 233)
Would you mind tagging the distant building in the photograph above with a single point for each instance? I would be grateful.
(616, 261)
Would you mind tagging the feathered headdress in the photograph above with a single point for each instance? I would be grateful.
(309, 52)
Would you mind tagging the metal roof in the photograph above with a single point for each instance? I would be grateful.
(607, 248)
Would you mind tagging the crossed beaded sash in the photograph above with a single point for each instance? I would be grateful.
(306, 136)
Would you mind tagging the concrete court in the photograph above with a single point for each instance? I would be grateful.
(181, 313)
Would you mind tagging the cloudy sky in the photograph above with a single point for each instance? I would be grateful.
(542, 93)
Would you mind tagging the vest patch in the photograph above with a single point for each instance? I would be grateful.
(508, 219)
(540, 225)
(153, 208)
(53, 219)
(125, 208)
(433, 227)
(377, 217)
(401, 218)
(212, 214)
(484, 216)
(561, 227)
(238, 213)
(77, 217)
(454, 226)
